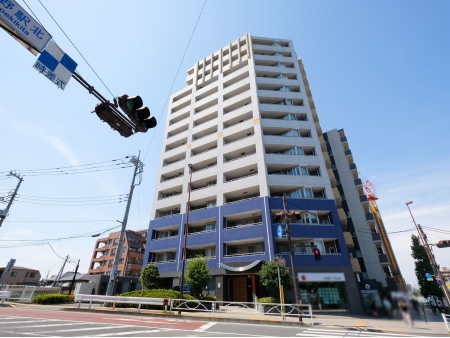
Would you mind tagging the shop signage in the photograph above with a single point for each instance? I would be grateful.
(321, 277)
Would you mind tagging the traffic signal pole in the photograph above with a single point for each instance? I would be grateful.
(429, 251)
(138, 168)
(5, 212)
(287, 219)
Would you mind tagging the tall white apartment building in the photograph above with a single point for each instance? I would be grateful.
(247, 124)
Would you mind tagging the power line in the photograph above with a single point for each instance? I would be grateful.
(72, 199)
(70, 205)
(68, 167)
(176, 76)
(76, 48)
(75, 172)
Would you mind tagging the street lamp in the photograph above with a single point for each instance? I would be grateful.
(428, 250)
(185, 229)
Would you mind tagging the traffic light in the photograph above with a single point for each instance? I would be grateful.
(105, 112)
(317, 254)
(139, 115)
(443, 244)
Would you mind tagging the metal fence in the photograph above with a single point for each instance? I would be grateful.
(242, 308)
(446, 321)
(26, 294)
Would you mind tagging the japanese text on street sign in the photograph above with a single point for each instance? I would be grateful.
(24, 24)
(55, 65)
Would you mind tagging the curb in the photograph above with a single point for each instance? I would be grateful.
(190, 317)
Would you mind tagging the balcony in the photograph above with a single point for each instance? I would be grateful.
(352, 166)
(179, 118)
(376, 236)
(343, 139)
(238, 136)
(369, 217)
(358, 182)
(383, 259)
(348, 152)
(349, 240)
(363, 198)
(251, 247)
(356, 267)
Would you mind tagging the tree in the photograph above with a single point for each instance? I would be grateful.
(150, 276)
(422, 266)
(197, 275)
(269, 276)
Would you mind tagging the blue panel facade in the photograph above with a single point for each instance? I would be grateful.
(267, 232)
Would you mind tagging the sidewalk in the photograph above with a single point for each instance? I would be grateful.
(320, 320)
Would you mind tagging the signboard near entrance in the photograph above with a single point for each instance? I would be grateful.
(321, 277)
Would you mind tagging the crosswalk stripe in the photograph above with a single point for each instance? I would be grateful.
(205, 327)
(124, 333)
(46, 325)
(319, 335)
(26, 321)
(112, 326)
(359, 333)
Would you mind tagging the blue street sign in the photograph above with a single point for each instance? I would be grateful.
(280, 231)
(439, 282)
(24, 24)
(428, 275)
(55, 65)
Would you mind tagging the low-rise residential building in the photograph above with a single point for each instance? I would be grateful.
(130, 264)
(21, 276)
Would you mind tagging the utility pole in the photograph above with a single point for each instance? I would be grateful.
(429, 251)
(58, 276)
(287, 219)
(186, 230)
(74, 276)
(138, 169)
(4, 213)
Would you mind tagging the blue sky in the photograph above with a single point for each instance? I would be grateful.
(377, 69)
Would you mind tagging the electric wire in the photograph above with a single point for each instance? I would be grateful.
(71, 198)
(65, 221)
(70, 205)
(76, 48)
(176, 76)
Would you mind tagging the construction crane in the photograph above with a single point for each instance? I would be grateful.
(372, 197)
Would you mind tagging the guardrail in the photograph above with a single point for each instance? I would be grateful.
(446, 319)
(242, 308)
(119, 299)
(4, 295)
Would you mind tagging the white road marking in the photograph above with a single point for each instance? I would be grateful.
(26, 321)
(351, 333)
(205, 327)
(45, 325)
(124, 333)
(111, 326)
(138, 320)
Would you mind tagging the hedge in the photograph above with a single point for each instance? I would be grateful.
(55, 298)
(155, 293)
(267, 300)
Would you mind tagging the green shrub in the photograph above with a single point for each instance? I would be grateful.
(53, 299)
(155, 293)
(206, 297)
(268, 300)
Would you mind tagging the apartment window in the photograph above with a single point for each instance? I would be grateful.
(211, 204)
(285, 89)
(358, 253)
(13, 274)
(292, 117)
(111, 261)
(118, 273)
(365, 275)
(280, 64)
(107, 252)
(210, 227)
(121, 261)
(278, 53)
(32, 275)
(113, 251)
(211, 252)
(255, 248)
(291, 132)
(109, 241)
(282, 76)
(334, 167)
(276, 43)
(27, 274)
(116, 240)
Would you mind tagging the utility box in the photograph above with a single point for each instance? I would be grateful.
(84, 289)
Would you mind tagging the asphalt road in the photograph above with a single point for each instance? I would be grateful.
(23, 322)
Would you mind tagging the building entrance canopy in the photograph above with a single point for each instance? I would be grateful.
(241, 268)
